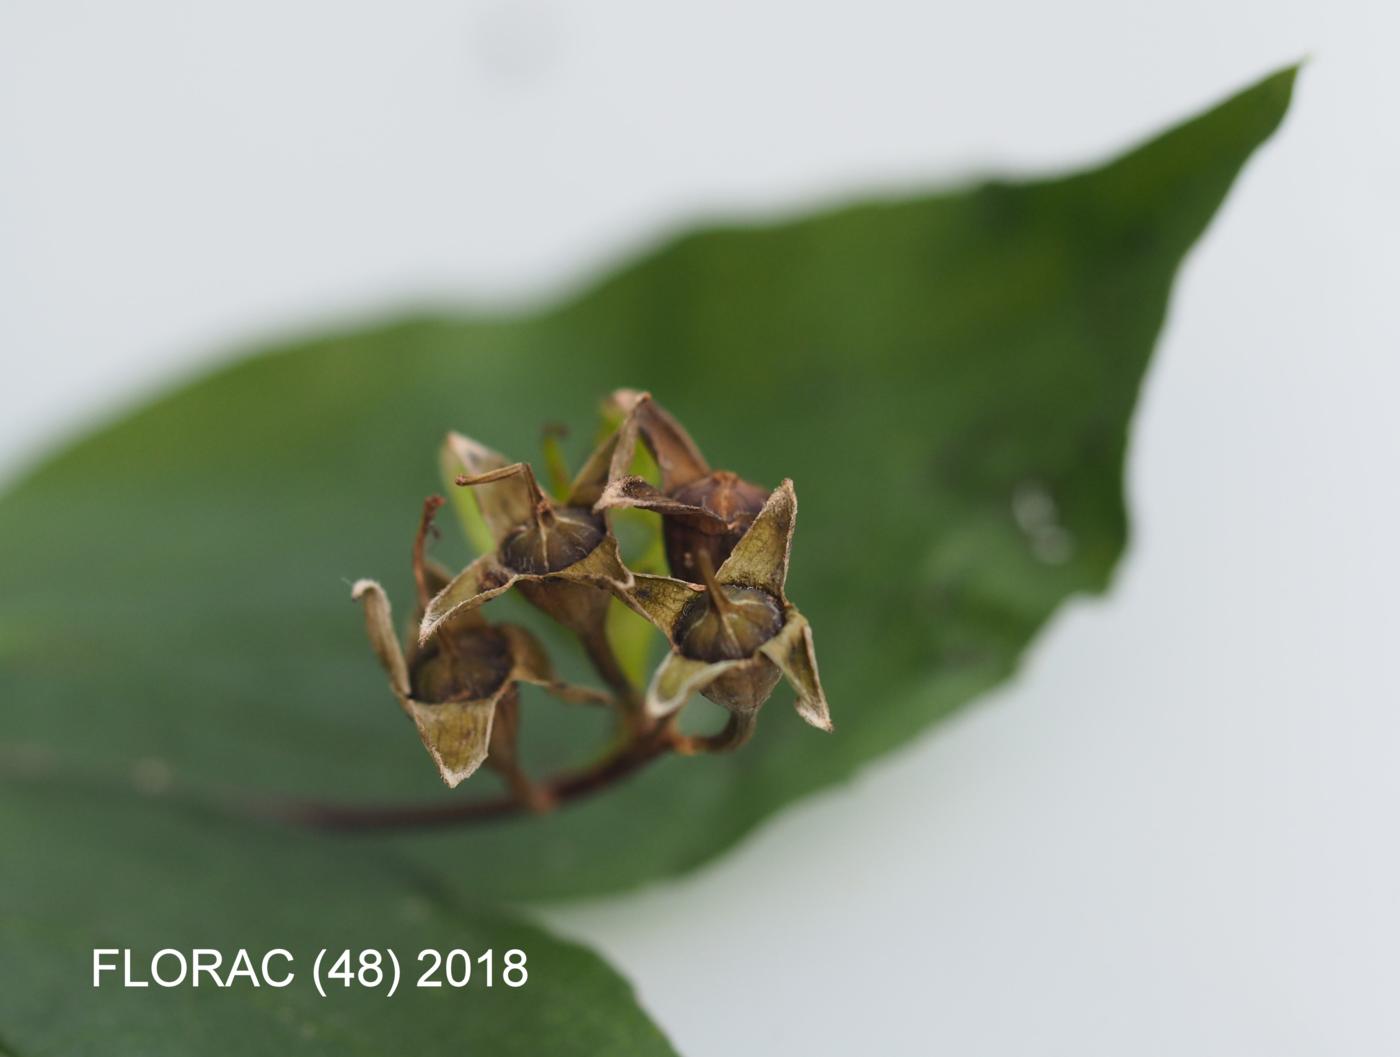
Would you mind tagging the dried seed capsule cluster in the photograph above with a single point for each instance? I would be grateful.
(733, 633)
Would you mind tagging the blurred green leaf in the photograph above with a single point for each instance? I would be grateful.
(84, 872)
(948, 378)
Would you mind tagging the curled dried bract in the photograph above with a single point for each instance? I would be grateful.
(733, 638)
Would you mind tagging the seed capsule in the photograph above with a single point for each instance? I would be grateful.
(553, 540)
(727, 623)
(704, 512)
(562, 556)
(460, 687)
(465, 664)
(736, 635)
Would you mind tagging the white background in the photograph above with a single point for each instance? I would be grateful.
(1176, 833)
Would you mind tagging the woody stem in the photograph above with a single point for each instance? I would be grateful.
(735, 733)
(522, 790)
(425, 526)
(626, 760)
(431, 505)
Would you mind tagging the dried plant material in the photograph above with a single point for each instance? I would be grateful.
(703, 511)
(460, 686)
(563, 557)
(733, 638)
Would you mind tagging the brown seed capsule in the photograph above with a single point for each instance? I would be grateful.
(553, 540)
(460, 687)
(703, 511)
(733, 638)
(460, 663)
(727, 623)
(562, 556)
(732, 504)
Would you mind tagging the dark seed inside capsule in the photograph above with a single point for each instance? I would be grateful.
(749, 618)
(725, 495)
(471, 664)
(554, 541)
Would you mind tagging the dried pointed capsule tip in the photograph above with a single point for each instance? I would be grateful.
(503, 501)
(677, 456)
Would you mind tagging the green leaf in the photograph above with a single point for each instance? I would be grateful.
(84, 872)
(948, 379)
